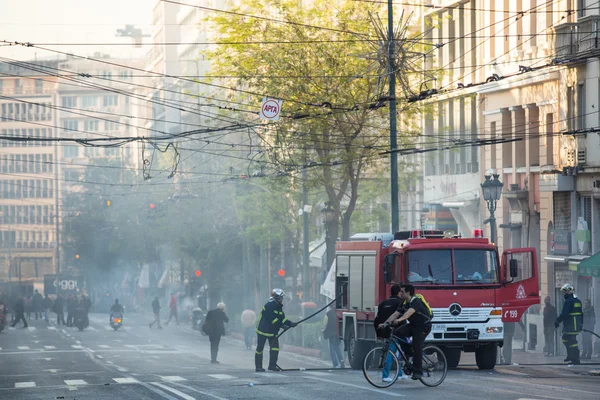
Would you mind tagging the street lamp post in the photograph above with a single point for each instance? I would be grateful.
(328, 217)
(492, 190)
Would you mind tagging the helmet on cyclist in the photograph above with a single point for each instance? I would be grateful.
(278, 295)
(567, 288)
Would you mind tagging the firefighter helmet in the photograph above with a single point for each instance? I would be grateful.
(278, 295)
(567, 287)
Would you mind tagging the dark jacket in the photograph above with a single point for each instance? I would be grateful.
(271, 319)
(155, 306)
(330, 331)
(72, 304)
(59, 305)
(589, 318)
(36, 302)
(549, 315)
(571, 315)
(214, 325)
(47, 303)
(385, 309)
(20, 306)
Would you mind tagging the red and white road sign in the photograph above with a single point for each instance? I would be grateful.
(270, 109)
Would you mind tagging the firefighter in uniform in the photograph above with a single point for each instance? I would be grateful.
(271, 319)
(572, 319)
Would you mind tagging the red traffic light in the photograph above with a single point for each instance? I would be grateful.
(197, 273)
(152, 205)
(281, 272)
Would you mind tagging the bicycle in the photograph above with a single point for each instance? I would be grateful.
(435, 366)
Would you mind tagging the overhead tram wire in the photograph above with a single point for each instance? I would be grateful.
(436, 8)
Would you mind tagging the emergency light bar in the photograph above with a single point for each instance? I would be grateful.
(477, 233)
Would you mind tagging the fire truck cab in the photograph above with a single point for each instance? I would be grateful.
(471, 290)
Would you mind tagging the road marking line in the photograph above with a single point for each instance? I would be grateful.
(53, 370)
(125, 380)
(91, 328)
(193, 389)
(36, 341)
(174, 391)
(52, 328)
(31, 328)
(76, 346)
(222, 376)
(0, 348)
(11, 328)
(24, 384)
(103, 346)
(78, 342)
(99, 356)
(317, 373)
(23, 347)
(50, 347)
(75, 382)
(388, 393)
(121, 369)
(172, 378)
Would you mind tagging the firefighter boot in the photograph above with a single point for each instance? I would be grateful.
(258, 359)
(574, 355)
(273, 356)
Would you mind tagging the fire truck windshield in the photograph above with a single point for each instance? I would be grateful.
(435, 267)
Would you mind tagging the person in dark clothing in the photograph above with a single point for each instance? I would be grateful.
(37, 304)
(385, 309)
(572, 320)
(271, 319)
(549, 329)
(589, 321)
(72, 304)
(20, 313)
(28, 306)
(156, 311)
(115, 308)
(331, 334)
(419, 316)
(86, 303)
(47, 306)
(214, 327)
(59, 309)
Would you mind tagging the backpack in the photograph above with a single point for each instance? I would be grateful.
(420, 297)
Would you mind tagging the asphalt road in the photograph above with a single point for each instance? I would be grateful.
(51, 362)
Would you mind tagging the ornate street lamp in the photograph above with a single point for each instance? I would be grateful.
(492, 190)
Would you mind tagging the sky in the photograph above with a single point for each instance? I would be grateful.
(63, 21)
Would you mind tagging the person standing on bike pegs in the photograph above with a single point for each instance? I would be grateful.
(419, 316)
(384, 311)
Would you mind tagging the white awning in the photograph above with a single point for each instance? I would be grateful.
(556, 259)
(317, 256)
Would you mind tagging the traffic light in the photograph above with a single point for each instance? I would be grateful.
(281, 273)
(197, 273)
(77, 256)
(152, 206)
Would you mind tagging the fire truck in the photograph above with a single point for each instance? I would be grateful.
(471, 290)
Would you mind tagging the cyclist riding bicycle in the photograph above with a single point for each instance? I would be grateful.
(419, 316)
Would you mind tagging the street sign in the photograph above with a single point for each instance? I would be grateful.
(270, 109)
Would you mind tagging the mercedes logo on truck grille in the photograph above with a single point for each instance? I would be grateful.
(455, 309)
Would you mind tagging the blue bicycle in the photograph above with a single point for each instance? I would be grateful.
(381, 365)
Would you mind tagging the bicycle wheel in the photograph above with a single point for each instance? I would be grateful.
(435, 366)
(373, 367)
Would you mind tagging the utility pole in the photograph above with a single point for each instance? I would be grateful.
(305, 253)
(392, 94)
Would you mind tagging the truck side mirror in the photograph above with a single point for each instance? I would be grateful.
(513, 265)
(388, 268)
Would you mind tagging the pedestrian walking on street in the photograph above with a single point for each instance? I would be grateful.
(571, 318)
(173, 308)
(59, 309)
(385, 309)
(509, 333)
(272, 318)
(214, 327)
(330, 333)
(71, 306)
(47, 306)
(549, 329)
(20, 312)
(248, 322)
(37, 304)
(589, 321)
(28, 306)
(86, 303)
(156, 311)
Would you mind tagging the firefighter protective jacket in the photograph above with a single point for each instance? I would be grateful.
(572, 315)
(271, 319)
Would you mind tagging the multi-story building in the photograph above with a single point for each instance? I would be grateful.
(510, 77)
(28, 176)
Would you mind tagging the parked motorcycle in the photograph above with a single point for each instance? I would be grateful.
(197, 318)
(116, 320)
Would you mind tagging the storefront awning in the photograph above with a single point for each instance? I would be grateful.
(556, 259)
(590, 266)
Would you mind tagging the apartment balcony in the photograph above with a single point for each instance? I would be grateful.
(577, 39)
(566, 43)
(589, 28)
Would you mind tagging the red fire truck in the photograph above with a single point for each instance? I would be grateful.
(471, 290)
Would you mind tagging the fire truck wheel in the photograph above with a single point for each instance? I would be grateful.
(452, 356)
(357, 350)
(485, 356)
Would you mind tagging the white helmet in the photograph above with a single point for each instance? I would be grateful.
(567, 287)
(278, 295)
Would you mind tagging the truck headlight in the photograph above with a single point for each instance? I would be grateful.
(494, 329)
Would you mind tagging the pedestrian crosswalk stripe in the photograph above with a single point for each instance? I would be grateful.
(125, 380)
(31, 328)
(52, 328)
(76, 346)
(75, 382)
(24, 384)
(23, 347)
(50, 347)
(103, 346)
(221, 376)
(91, 328)
(317, 373)
(172, 378)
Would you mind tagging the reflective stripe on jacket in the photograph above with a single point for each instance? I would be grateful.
(271, 319)
(571, 315)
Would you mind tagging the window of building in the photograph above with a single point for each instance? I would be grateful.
(89, 101)
(111, 126)
(70, 151)
(39, 86)
(18, 87)
(70, 125)
(69, 101)
(90, 125)
(110, 100)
